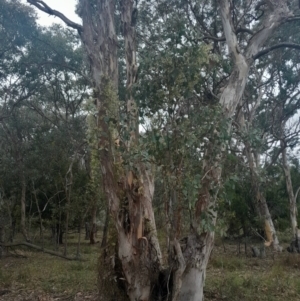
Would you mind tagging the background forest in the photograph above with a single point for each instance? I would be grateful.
(131, 142)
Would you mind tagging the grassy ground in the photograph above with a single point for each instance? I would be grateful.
(30, 275)
(27, 274)
(232, 276)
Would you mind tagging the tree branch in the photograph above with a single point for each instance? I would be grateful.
(228, 28)
(274, 47)
(277, 14)
(261, 3)
(296, 194)
(41, 5)
(222, 39)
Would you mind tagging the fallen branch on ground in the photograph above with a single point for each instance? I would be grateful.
(29, 245)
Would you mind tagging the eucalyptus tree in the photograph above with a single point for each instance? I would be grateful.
(243, 28)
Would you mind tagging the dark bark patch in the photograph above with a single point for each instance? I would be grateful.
(162, 287)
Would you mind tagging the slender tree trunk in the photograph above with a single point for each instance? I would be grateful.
(1, 241)
(93, 227)
(289, 188)
(270, 231)
(79, 240)
(66, 229)
(23, 207)
(40, 216)
(11, 225)
(261, 203)
(68, 187)
(87, 230)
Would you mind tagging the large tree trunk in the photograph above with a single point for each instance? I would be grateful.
(196, 253)
(129, 192)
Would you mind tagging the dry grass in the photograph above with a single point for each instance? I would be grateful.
(28, 270)
(230, 276)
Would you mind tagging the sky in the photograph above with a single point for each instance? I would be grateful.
(67, 7)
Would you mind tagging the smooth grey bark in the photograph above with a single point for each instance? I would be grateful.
(290, 190)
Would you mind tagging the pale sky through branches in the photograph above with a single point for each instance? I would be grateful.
(67, 7)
